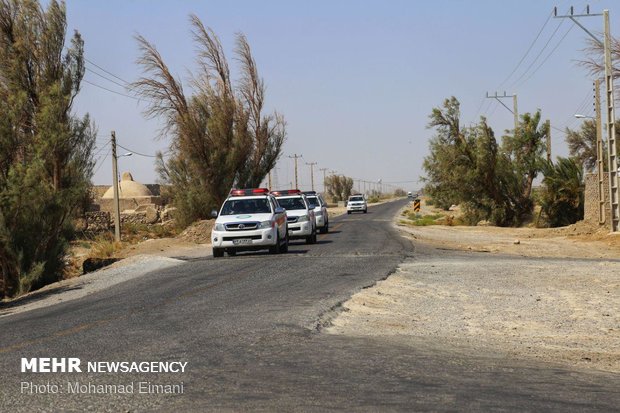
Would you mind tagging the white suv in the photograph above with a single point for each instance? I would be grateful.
(320, 211)
(300, 217)
(250, 219)
(357, 203)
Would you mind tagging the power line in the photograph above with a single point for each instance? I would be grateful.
(101, 148)
(529, 49)
(102, 161)
(141, 154)
(548, 56)
(106, 78)
(538, 55)
(113, 91)
(106, 71)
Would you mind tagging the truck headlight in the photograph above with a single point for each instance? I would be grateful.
(266, 224)
(220, 227)
(303, 218)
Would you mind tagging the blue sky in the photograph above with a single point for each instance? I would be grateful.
(355, 80)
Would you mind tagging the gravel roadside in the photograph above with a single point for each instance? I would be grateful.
(554, 309)
(74, 288)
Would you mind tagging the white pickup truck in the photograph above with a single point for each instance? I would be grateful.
(249, 220)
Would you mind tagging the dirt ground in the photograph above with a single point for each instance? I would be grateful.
(544, 294)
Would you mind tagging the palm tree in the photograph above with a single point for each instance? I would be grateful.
(562, 198)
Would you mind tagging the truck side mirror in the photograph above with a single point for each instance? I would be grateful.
(214, 213)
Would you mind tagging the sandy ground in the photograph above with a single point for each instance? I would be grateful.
(476, 286)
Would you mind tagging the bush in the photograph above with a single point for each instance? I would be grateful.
(562, 194)
(424, 220)
(104, 246)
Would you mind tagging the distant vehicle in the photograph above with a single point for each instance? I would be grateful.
(249, 219)
(409, 195)
(320, 211)
(357, 203)
(299, 214)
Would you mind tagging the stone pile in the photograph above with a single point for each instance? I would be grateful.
(97, 221)
(199, 232)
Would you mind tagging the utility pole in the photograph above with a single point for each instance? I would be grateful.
(599, 152)
(295, 156)
(549, 141)
(269, 182)
(514, 110)
(611, 113)
(312, 172)
(611, 129)
(117, 207)
(324, 178)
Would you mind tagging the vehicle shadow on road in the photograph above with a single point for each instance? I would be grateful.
(5, 306)
(323, 241)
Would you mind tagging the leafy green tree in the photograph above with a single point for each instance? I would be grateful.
(526, 148)
(467, 166)
(450, 155)
(582, 144)
(562, 195)
(220, 137)
(45, 150)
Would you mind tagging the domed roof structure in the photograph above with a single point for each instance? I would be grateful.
(128, 188)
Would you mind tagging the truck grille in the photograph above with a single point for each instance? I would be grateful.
(242, 226)
(254, 237)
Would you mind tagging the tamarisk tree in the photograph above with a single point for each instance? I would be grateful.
(45, 150)
(220, 137)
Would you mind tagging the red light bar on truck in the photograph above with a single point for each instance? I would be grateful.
(249, 192)
(285, 192)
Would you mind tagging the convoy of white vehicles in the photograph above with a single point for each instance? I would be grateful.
(320, 211)
(250, 219)
(299, 214)
(255, 219)
(259, 219)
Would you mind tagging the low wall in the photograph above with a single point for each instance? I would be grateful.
(129, 203)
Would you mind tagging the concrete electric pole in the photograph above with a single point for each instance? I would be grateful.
(599, 151)
(311, 172)
(295, 156)
(611, 113)
(514, 110)
(549, 141)
(324, 177)
(117, 207)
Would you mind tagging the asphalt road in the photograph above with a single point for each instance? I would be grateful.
(249, 328)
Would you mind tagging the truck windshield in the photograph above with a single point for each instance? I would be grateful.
(291, 203)
(356, 198)
(314, 200)
(246, 206)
